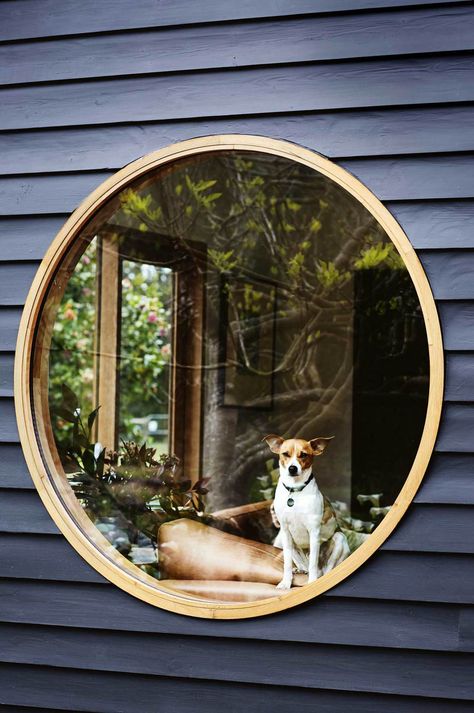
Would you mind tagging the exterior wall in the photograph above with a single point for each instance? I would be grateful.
(383, 87)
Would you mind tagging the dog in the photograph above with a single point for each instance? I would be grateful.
(309, 535)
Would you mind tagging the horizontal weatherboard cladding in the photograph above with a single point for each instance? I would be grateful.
(266, 90)
(112, 692)
(237, 660)
(385, 88)
(332, 620)
(236, 45)
(350, 133)
(53, 18)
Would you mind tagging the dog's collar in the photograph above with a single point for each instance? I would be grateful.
(298, 488)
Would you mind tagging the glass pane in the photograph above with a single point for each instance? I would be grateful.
(214, 302)
(145, 353)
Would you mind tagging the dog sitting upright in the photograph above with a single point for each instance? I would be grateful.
(309, 534)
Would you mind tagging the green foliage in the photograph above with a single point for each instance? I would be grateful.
(329, 276)
(250, 222)
(264, 486)
(145, 349)
(379, 254)
(295, 265)
(199, 190)
(222, 261)
(134, 204)
(72, 343)
(256, 220)
(145, 343)
(130, 483)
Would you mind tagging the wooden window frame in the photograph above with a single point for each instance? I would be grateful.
(31, 383)
(185, 394)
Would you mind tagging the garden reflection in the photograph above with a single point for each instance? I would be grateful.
(216, 300)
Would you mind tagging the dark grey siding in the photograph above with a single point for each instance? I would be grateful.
(386, 89)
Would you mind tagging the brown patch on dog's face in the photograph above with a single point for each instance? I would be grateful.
(296, 449)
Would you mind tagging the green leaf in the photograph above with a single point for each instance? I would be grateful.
(79, 441)
(69, 398)
(204, 185)
(91, 418)
(65, 414)
(100, 463)
(213, 197)
(88, 462)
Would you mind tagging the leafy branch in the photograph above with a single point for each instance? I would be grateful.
(130, 482)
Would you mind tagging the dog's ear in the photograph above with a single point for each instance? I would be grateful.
(320, 444)
(274, 442)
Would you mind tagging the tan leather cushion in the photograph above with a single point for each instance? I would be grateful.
(253, 521)
(223, 591)
(191, 550)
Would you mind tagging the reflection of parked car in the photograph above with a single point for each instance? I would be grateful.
(154, 425)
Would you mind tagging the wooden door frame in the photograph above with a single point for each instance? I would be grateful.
(187, 260)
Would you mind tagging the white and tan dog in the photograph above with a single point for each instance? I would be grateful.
(309, 534)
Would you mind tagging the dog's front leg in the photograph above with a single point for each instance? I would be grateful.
(313, 555)
(287, 542)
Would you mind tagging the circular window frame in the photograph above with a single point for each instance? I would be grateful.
(60, 501)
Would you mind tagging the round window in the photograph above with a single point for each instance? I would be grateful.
(229, 376)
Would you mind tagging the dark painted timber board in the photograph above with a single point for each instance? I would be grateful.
(451, 274)
(27, 709)
(28, 238)
(457, 320)
(436, 225)
(466, 629)
(28, 19)
(9, 322)
(13, 470)
(247, 44)
(105, 692)
(361, 133)
(324, 86)
(419, 178)
(450, 479)
(327, 620)
(306, 665)
(457, 429)
(6, 374)
(13, 288)
(459, 378)
(8, 426)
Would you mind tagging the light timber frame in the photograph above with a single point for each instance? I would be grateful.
(31, 388)
(107, 337)
(185, 388)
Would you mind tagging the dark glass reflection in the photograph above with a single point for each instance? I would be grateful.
(214, 301)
